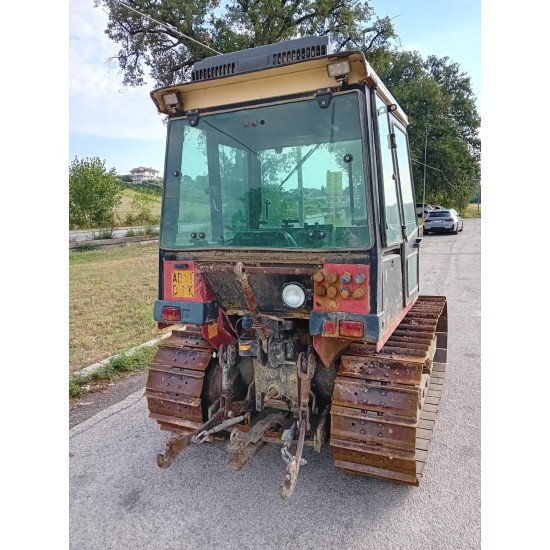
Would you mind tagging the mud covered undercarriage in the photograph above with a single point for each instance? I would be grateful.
(375, 410)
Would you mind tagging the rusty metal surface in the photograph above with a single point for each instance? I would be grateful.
(251, 301)
(288, 257)
(276, 387)
(176, 381)
(394, 399)
(181, 359)
(329, 349)
(188, 382)
(321, 432)
(384, 404)
(238, 460)
(174, 446)
(305, 367)
(242, 439)
(263, 270)
(373, 431)
(188, 336)
(402, 371)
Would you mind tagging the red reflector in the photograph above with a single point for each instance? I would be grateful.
(330, 327)
(171, 313)
(351, 328)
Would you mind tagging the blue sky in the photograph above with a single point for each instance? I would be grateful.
(123, 128)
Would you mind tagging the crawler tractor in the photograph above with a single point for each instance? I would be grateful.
(289, 267)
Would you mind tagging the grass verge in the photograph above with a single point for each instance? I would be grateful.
(111, 297)
(118, 367)
(145, 232)
(472, 211)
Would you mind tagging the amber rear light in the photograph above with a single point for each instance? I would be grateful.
(171, 313)
(351, 328)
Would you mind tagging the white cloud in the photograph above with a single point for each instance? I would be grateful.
(99, 106)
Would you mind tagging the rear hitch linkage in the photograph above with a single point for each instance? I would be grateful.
(244, 444)
(205, 435)
(305, 367)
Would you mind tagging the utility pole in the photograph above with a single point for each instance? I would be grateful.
(424, 186)
(478, 196)
(301, 214)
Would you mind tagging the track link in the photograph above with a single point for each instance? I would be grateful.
(384, 404)
(176, 381)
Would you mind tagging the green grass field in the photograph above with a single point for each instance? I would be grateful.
(472, 211)
(125, 207)
(111, 297)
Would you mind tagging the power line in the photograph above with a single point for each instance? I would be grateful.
(167, 26)
(427, 165)
(433, 168)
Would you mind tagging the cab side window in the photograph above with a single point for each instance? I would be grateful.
(405, 180)
(391, 205)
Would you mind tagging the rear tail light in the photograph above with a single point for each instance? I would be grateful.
(330, 327)
(449, 220)
(351, 328)
(171, 313)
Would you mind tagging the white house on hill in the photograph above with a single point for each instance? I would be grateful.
(141, 174)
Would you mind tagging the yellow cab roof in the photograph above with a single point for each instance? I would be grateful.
(304, 76)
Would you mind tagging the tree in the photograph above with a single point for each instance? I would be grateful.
(435, 94)
(142, 205)
(193, 30)
(443, 122)
(94, 193)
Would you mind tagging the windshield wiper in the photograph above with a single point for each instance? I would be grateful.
(230, 136)
(302, 160)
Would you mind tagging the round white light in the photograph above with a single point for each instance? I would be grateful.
(294, 295)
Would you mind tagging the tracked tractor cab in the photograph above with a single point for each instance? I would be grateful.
(289, 265)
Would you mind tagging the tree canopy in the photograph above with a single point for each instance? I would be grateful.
(94, 193)
(434, 92)
(443, 122)
(168, 56)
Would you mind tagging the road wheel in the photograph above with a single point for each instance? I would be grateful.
(455, 230)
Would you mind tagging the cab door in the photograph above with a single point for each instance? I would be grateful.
(407, 202)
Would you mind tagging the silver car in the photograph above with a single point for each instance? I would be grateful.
(423, 209)
(448, 221)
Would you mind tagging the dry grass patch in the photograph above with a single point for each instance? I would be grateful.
(125, 206)
(472, 211)
(111, 302)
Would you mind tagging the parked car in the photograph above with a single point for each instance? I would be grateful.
(448, 221)
(423, 209)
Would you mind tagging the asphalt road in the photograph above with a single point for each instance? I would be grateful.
(120, 499)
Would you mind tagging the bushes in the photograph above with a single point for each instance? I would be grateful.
(96, 199)
(145, 232)
(94, 194)
(142, 204)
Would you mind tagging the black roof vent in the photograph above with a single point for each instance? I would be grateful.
(263, 57)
